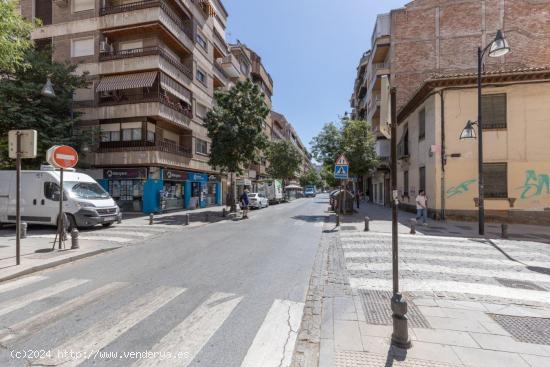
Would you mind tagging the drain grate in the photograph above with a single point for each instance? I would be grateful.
(534, 330)
(348, 228)
(376, 305)
(520, 284)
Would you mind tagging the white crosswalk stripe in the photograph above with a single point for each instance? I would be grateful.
(110, 328)
(25, 300)
(5, 287)
(192, 334)
(274, 343)
(39, 320)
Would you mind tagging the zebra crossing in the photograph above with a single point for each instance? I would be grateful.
(448, 264)
(272, 345)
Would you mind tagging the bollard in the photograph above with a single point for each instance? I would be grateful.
(504, 230)
(337, 220)
(413, 226)
(367, 220)
(151, 219)
(119, 219)
(74, 239)
(23, 230)
(186, 219)
(224, 212)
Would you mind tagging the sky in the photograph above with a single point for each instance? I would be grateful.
(311, 48)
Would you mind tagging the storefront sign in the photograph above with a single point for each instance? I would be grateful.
(175, 175)
(213, 178)
(197, 177)
(244, 182)
(125, 173)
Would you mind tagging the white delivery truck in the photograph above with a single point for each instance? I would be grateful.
(274, 191)
(85, 202)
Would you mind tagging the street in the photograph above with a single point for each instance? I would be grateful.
(228, 294)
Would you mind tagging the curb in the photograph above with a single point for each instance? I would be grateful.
(53, 264)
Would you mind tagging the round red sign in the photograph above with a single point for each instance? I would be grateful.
(62, 156)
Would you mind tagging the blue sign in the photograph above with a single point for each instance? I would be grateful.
(341, 172)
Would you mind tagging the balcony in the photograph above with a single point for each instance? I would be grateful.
(231, 66)
(220, 78)
(148, 11)
(373, 104)
(147, 51)
(380, 40)
(160, 97)
(161, 145)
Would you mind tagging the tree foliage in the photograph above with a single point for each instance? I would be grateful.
(326, 146)
(311, 177)
(14, 37)
(284, 159)
(235, 127)
(23, 107)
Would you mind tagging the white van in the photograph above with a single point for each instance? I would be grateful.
(85, 202)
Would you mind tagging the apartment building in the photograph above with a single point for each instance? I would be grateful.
(154, 66)
(438, 39)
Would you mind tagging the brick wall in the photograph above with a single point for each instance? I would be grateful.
(442, 36)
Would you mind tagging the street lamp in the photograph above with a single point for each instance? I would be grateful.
(497, 48)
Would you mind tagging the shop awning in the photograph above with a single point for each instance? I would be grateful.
(127, 81)
(175, 88)
(293, 187)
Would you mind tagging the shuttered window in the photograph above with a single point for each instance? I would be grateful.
(82, 5)
(422, 124)
(82, 47)
(493, 107)
(201, 147)
(422, 179)
(495, 177)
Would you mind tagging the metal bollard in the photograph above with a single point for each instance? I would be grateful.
(413, 226)
(74, 239)
(367, 226)
(337, 220)
(186, 219)
(151, 219)
(504, 230)
(23, 230)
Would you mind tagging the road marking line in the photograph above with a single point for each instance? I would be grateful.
(26, 299)
(8, 286)
(124, 233)
(190, 336)
(384, 255)
(37, 322)
(90, 238)
(449, 250)
(99, 335)
(274, 343)
(420, 285)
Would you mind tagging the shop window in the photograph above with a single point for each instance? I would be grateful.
(406, 183)
(131, 134)
(422, 124)
(82, 47)
(495, 177)
(493, 107)
(201, 147)
(422, 179)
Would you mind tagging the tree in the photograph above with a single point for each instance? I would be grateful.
(235, 127)
(23, 107)
(15, 37)
(358, 146)
(284, 159)
(326, 146)
(310, 177)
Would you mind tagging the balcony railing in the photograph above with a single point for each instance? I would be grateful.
(161, 145)
(145, 98)
(147, 51)
(138, 5)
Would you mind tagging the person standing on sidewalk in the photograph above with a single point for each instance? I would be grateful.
(357, 197)
(421, 207)
(244, 203)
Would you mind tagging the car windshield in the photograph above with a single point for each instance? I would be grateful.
(86, 190)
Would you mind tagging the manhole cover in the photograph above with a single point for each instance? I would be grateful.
(348, 228)
(377, 307)
(521, 284)
(534, 330)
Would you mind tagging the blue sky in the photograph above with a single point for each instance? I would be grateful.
(311, 49)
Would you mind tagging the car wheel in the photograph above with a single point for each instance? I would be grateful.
(107, 224)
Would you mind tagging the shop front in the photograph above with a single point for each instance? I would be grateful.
(125, 185)
(173, 188)
(202, 190)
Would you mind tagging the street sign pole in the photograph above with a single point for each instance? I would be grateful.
(18, 200)
(60, 222)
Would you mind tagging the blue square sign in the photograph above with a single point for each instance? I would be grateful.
(341, 172)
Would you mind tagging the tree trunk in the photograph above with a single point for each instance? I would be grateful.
(233, 196)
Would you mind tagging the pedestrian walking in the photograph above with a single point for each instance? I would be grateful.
(421, 207)
(357, 197)
(244, 203)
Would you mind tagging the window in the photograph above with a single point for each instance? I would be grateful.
(131, 134)
(150, 136)
(422, 124)
(403, 145)
(200, 111)
(201, 41)
(493, 107)
(495, 177)
(82, 5)
(130, 45)
(107, 136)
(422, 179)
(201, 147)
(201, 76)
(82, 47)
(406, 183)
(51, 191)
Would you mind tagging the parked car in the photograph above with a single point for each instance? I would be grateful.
(258, 200)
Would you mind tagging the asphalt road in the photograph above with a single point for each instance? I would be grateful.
(227, 294)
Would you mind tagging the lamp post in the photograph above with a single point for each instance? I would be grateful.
(497, 48)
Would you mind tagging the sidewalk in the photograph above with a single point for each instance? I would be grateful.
(472, 301)
(37, 253)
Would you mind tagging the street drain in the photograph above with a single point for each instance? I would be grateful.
(534, 330)
(520, 284)
(377, 308)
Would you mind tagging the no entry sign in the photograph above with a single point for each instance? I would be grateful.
(62, 156)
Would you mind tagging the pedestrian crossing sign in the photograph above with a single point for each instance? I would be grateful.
(341, 172)
(342, 161)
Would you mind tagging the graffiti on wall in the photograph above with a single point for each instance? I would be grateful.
(534, 185)
(461, 188)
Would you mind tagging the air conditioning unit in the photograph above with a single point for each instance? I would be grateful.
(61, 3)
